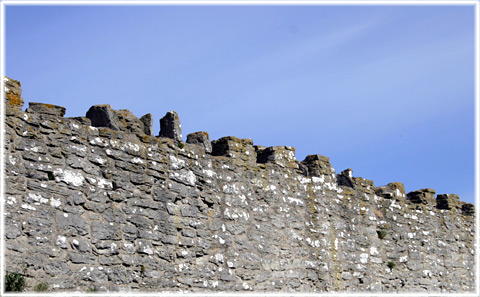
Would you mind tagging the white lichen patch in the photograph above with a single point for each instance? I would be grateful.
(69, 177)
(373, 251)
(399, 194)
(331, 186)
(55, 202)
(100, 160)
(403, 259)
(28, 207)
(187, 177)
(313, 243)
(304, 180)
(12, 160)
(295, 200)
(230, 189)
(61, 241)
(363, 258)
(37, 198)
(236, 213)
(271, 188)
(137, 161)
(98, 141)
(209, 173)
(11, 200)
(176, 163)
(219, 258)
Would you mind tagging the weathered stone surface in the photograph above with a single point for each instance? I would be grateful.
(89, 207)
(202, 139)
(147, 121)
(423, 196)
(46, 109)
(170, 126)
(468, 209)
(127, 122)
(448, 201)
(281, 155)
(392, 190)
(345, 178)
(103, 116)
(13, 94)
(317, 165)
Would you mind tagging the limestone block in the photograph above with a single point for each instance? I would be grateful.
(423, 196)
(202, 139)
(468, 209)
(233, 147)
(345, 178)
(281, 155)
(448, 201)
(392, 190)
(46, 109)
(170, 126)
(13, 93)
(147, 121)
(103, 116)
(318, 165)
(128, 122)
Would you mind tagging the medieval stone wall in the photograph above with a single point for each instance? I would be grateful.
(114, 208)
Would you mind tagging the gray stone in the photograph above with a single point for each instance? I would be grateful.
(46, 109)
(201, 138)
(448, 201)
(67, 221)
(77, 258)
(120, 210)
(170, 126)
(147, 121)
(423, 196)
(13, 94)
(103, 116)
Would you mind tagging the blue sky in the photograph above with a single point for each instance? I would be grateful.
(385, 90)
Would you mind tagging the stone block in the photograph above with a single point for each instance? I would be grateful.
(13, 93)
(318, 165)
(345, 178)
(46, 109)
(423, 196)
(170, 126)
(234, 147)
(128, 122)
(468, 209)
(202, 139)
(147, 121)
(392, 190)
(448, 201)
(103, 116)
(281, 155)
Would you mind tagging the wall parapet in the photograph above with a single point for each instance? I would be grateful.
(98, 202)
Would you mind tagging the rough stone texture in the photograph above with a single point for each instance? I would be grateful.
(422, 196)
(200, 138)
(147, 121)
(13, 94)
(92, 208)
(170, 126)
(46, 109)
(103, 116)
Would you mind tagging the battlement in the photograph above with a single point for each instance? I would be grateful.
(99, 201)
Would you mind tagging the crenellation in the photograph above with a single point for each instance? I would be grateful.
(99, 202)
(422, 196)
(46, 109)
(201, 138)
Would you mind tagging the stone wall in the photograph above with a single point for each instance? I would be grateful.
(115, 208)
